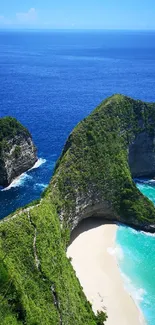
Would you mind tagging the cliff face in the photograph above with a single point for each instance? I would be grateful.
(93, 176)
(17, 151)
(142, 155)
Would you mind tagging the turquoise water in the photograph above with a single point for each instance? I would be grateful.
(136, 256)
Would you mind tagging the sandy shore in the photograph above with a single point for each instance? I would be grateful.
(99, 274)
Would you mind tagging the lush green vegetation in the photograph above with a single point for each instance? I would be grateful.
(43, 293)
(10, 127)
(95, 159)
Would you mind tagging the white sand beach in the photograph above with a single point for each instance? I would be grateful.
(99, 273)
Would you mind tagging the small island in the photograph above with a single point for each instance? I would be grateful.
(17, 150)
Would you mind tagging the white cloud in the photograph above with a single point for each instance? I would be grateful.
(21, 18)
(27, 17)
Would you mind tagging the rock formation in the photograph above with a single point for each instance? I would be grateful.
(17, 151)
(103, 153)
(142, 155)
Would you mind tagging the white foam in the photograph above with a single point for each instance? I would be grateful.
(134, 231)
(152, 181)
(41, 185)
(38, 163)
(136, 293)
(19, 181)
(116, 252)
(149, 234)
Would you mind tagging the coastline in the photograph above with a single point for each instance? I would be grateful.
(92, 243)
(21, 178)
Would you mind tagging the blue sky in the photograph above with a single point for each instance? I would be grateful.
(81, 14)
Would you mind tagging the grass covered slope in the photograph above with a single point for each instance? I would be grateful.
(93, 177)
(38, 285)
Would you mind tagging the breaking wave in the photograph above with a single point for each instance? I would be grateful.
(38, 163)
(19, 181)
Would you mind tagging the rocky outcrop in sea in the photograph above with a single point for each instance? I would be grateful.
(17, 150)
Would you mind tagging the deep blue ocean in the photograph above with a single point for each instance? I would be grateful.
(50, 80)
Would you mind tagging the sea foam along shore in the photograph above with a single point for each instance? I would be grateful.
(20, 180)
(99, 274)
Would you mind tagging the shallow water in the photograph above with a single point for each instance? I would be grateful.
(136, 256)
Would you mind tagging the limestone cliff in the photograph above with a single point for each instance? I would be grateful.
(17, 151)
(93, 176)
(142, 155)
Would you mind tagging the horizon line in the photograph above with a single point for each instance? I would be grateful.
(74, 29)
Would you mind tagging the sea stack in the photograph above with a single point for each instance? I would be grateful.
(17, 150)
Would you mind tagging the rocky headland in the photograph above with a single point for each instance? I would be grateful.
(94, 175)
(17, 150)
(92, 178)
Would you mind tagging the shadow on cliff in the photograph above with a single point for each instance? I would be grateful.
(86, 225)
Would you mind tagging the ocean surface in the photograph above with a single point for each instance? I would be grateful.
(50, 81)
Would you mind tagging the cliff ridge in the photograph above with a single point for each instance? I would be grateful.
(94, 175)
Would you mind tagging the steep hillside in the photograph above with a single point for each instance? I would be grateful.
(38, 285)
(93, 176)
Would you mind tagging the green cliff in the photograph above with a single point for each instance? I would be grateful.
(93, 177)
